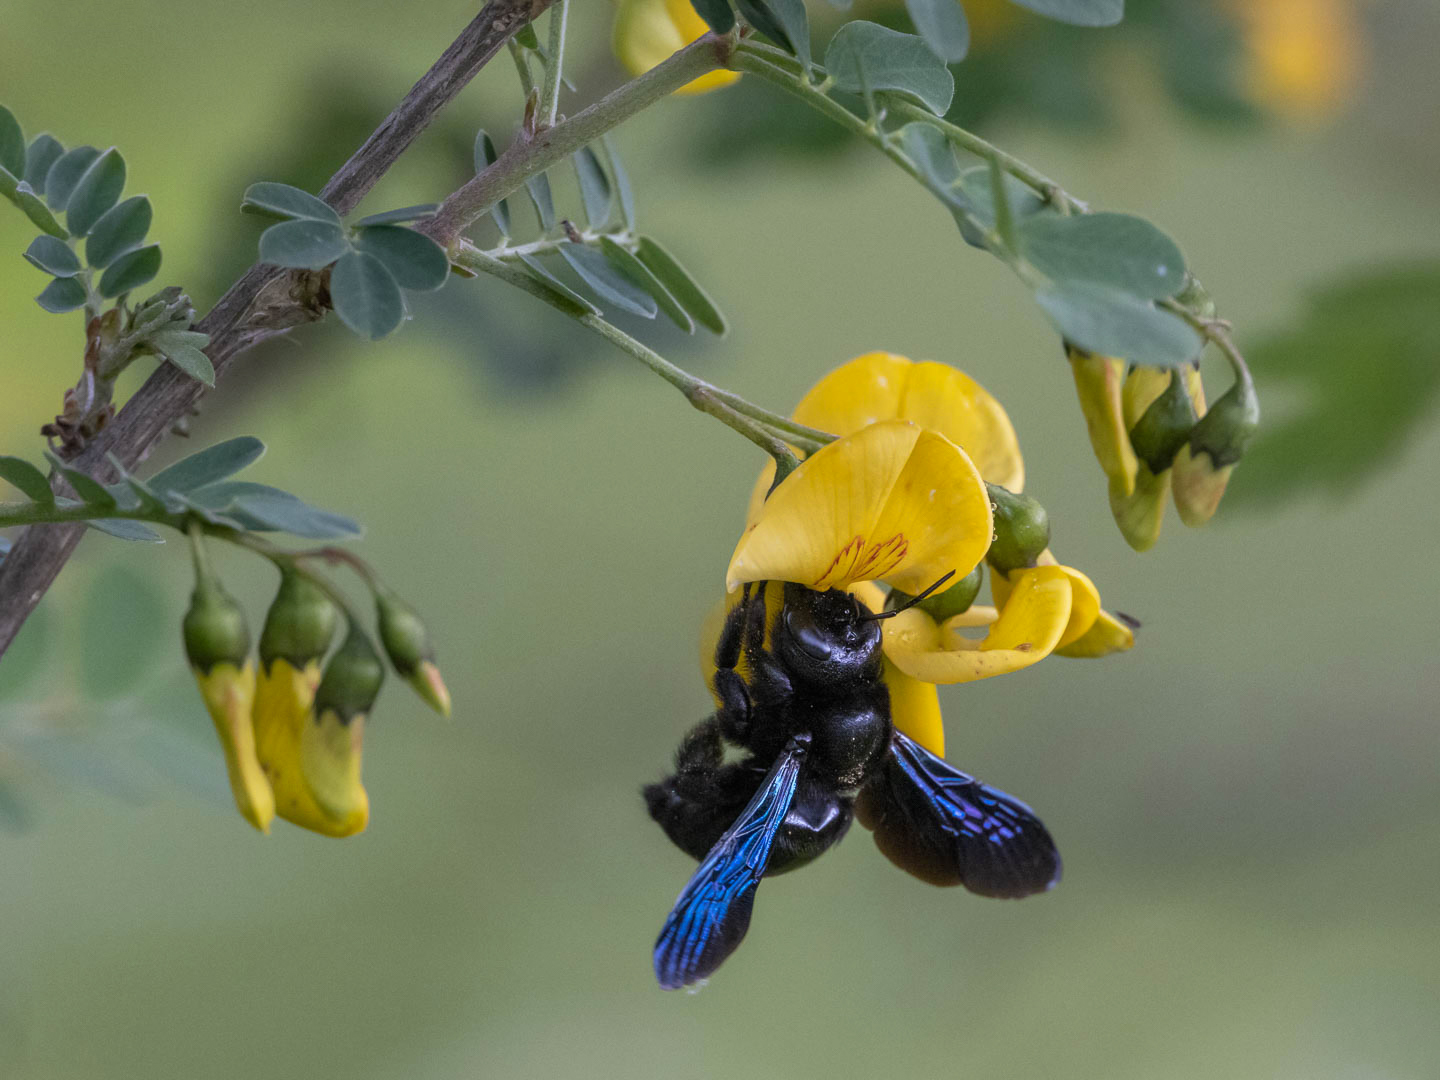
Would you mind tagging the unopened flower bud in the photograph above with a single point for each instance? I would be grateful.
(217, 643)
(332, 738)
(407, 643)
(1022, 530)
(1098, 383)
(300, 623)
(947, 603)
(1204, 464)
(1164, 426)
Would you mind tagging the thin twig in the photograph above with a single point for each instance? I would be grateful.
(265, 302)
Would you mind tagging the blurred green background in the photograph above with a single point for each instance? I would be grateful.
(1247, 803)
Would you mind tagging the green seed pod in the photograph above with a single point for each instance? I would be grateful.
(1165, 426)
(352, 678)
(214, 628)
(949, 602)
(300, 624)
(1022, 530)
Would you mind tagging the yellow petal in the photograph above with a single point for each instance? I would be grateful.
(647, 32)
(229, 694)
(283, 697)
(869, 594)
(1199, 486)
(891, 502)
(915, 709)
(1142, 386)
(1035, 615)
(1098, 380)
(1084, 606)
(1141, 514)
(882, 386)
(1108, 635)
(330, 754)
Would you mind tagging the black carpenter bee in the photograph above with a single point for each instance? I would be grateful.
(798, 679)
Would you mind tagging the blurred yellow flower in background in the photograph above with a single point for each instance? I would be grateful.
(1303, 57)
(648, 31)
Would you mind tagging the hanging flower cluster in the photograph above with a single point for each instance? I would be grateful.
(1154, 437)
(293, 733)
(924, 480)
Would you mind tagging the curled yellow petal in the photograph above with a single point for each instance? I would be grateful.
(1108, 635)
(1035, 615)
(284, 695)
(647, 32)
(891, 502)
(915, 709)
(883, 386)
(1098, 381)
(229, 694)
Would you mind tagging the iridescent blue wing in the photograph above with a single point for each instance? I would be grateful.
(948, 828)
(711, 916)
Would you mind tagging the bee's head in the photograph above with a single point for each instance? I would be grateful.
(824, 636)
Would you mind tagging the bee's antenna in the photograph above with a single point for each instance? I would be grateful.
(908, 603)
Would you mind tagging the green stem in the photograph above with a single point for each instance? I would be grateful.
(554, 62)
(551, 245)
(1216, 331)
(530, 157)
(522, 67)
(766, 429)
(33, 513)
(784, 71)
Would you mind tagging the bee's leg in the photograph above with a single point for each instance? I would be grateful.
(818, 819)
(705, 795)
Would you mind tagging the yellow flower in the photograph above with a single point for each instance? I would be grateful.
(313, 768)
(1141, 511)
(1304, 57)
(893, 502)
(1098, 382)
(647, 32)
(229, 693)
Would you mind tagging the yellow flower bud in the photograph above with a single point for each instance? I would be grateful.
(1098, 382)
(229, 693)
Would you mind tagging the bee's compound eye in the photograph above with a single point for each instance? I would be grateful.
(802, 629)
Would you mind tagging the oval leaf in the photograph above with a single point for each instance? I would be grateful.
(539, 189)
(609, 284)
(69, 167)
(95, 193)
(1113, 323)
(40, 155)
(122, 228)
(641, 275)
(782, 21)
(210, 465)
(1118, 250)
(53, 256)
(555, 285)
(12, 144)
(682, 286)
(130, 271)
(284, 201)
(941, 23)
(62, 295)
(37, 211)
(27, 478)
(485, 156)
(415, 261)
(366, 295)
(291, 515)
(303, 244)
(863, 55)
(594, 186)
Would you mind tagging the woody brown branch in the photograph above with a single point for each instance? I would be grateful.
(265, 302)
